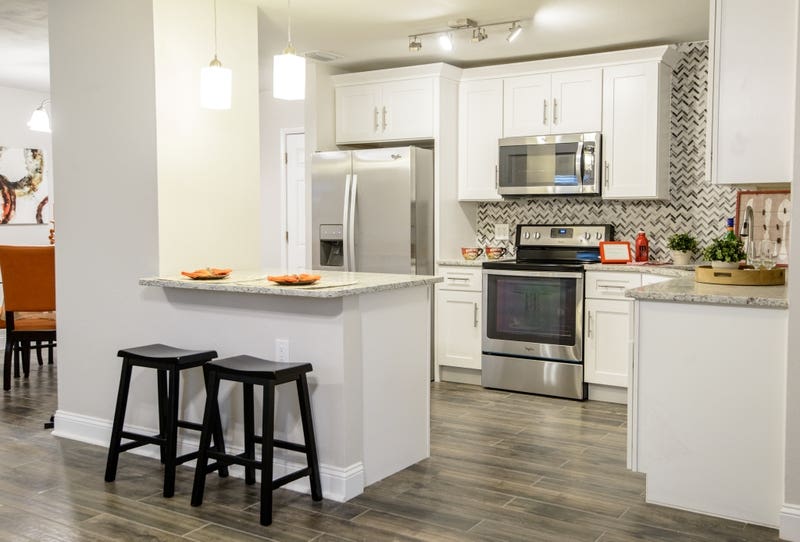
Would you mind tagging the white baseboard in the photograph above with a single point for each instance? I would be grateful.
(789, 522)
(459, 375)
(608, 394)
(338, 484)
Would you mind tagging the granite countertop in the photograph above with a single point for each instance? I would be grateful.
(667, 270)
(477, 262)
(686, 290)
(332, 284)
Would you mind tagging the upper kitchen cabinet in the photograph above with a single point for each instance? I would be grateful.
(636, 131)
(401, 110)
(752, 91)
(480, 126)
(559, 103)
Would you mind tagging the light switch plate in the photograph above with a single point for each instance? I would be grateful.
(501, 232)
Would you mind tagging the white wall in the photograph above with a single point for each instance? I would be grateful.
(16, 106)
(208, 161)
(276, 115)
(108, 196)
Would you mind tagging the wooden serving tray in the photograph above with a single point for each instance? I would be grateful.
(740, 277)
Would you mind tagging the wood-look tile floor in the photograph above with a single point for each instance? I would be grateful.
(503, 466)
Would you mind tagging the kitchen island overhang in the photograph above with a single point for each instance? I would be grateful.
(369, 344)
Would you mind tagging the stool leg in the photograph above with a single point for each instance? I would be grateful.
(39, 353)
(212, 389)
(172, 432)
(7, 362)
(50, 353)
(26, 359)
(308, 435)
(268, 427)
(119, 419)
(219, 439)
(249, 432)
(163, 398)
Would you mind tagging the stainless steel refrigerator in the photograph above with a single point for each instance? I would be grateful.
(372, 210)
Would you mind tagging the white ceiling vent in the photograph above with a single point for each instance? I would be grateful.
(323, 56)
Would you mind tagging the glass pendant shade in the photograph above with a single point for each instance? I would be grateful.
(215, 86)
(40, 121)
(289, 77)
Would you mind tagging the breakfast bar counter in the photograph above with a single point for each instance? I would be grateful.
(368, 338)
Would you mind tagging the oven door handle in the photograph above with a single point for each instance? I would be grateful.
(535, 274)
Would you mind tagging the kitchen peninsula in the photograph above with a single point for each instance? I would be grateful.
(708, 406)
(368, 338)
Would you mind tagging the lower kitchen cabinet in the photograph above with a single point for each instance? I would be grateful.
(609, 339)
(458, 325)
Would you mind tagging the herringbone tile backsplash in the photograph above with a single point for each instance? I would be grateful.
(695, 205)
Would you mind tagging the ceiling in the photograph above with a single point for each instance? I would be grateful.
(371, 34)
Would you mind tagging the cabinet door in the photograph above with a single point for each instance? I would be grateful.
(635, 136)
(358, 113)
(407, 110)
(609, 332)
(458, 329)
(577, 101)
(752, 91)
(480, 126)
(526, 105)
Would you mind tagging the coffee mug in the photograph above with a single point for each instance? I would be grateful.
(494, 253)
(470, 253)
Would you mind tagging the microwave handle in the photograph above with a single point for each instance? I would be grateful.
(580, 163)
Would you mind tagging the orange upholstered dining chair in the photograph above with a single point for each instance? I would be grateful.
(29, 285)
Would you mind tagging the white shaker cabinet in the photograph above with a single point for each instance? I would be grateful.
(636, 131)
(390, 111)
(458, 321)
(609, 334)
(480, 126)
(751, 91)
(559, 103)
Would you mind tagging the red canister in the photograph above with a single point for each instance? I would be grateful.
(642, 248)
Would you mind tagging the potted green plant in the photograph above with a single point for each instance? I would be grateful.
(725, 252)
(681, 246)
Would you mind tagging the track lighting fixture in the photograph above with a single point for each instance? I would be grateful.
(479, 33)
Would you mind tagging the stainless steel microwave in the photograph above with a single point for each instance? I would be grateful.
(549, 165)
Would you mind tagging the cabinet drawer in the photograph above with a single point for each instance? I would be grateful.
(461, 278)
(611, 285)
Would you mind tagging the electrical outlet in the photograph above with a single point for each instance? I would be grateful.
(501, 232)
(282, 349)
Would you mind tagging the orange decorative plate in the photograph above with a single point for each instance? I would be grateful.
(302, 279)
(209, 273)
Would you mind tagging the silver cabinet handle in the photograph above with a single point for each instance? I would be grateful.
(384, 119)
(606, 173)
(555, 111)
(377, 122)
(474, 315)
(544, 112)
(589, 325)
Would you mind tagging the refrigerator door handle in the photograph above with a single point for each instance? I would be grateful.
(351, 227)
(346, 222)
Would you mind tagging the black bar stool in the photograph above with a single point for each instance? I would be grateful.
(168, 362)
(250, 370)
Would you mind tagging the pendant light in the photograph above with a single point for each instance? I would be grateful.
(215, 81)
(289, 69)
(40, 121)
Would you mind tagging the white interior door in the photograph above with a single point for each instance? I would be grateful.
(295, 190)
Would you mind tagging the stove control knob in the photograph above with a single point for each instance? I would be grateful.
(587, 235)
(527, 235)
(537, 235)
(599, 236)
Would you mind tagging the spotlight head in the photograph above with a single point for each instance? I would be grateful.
(514, 31)
(478, 35)
(414, 44)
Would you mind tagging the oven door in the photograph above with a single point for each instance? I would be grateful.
(533, 314)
